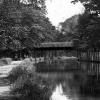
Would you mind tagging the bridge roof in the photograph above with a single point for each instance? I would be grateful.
(55, 45)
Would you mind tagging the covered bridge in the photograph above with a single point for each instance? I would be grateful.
(55, 46)
(54, 49)
(41, 50)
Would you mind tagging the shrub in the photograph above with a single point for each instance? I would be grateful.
(30, 89)
(26, 67)
(15, 73)
(28, 64)
(28, 83)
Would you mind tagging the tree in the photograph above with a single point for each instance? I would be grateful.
(88, 30)
(23, 24)
(89, 22)
(92, 6)
(40, 28)
(69, 28)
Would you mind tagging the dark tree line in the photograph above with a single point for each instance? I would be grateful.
(89, 23)
(24, 25)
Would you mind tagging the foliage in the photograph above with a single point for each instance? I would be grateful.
(88, 29)
(39, 5)
(27, 83)
(31, 88)
(92, 6)
(25, 67)
(61, 37)
(24, 24)
(89, 22)
(40, 27)
(69, 29)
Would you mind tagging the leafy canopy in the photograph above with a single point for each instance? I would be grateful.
(24, 25)
(92, 6)
(89, 22)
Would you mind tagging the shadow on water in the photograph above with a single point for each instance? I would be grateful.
(58, 66)
(80, 80)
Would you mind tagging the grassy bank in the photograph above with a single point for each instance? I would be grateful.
(27, 84)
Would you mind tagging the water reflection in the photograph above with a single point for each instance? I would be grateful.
(79, 80)
(58, 66)
(58, 94)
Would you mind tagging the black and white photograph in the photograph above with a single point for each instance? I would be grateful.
(49, 49)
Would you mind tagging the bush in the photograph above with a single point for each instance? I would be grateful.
(26, 67)
(5, 61)
(15, 73)
(28, 64)
(28, 83)
(30, 89)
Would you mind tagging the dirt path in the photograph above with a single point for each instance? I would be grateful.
(4, 71)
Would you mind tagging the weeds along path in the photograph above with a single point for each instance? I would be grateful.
(4, 71)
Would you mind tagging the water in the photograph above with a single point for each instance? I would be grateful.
(72, 80)
(58, 94)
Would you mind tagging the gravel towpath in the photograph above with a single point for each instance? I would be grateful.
(4, 71)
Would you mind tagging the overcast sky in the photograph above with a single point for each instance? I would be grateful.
(60, 10)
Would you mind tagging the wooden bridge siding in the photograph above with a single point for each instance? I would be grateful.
(49, 53)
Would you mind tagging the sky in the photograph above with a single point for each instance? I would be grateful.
(60, 10)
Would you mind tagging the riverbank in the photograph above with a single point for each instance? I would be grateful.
(17, 73)
(4, 82)
(27, 84)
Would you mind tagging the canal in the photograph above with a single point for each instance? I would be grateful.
(72, 80)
